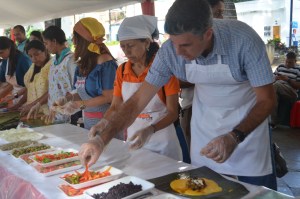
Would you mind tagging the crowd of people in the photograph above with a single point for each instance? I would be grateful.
(220, 66)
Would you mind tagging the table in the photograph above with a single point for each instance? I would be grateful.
(22, 181)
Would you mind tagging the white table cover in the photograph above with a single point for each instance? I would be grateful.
(141, 163)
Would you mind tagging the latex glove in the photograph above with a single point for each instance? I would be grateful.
(33, 113)
(70, 108)
(220, 148)
(49, 119)
(24, 110)
(8, 98)
(141, 137)
(98, 128)
(60, 101)
(89, 152)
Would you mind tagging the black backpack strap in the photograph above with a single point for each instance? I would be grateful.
(123, 68)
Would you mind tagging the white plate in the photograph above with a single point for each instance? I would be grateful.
(115, 174)
(58, 168)
(146, 187)
(31, 146)
(57, 162)
(163, 196)
(80, 196)
(18, 144)
(26, 156)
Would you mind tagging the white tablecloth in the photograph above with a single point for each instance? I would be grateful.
(141, 163)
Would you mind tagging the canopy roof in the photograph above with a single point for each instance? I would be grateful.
(13, 12)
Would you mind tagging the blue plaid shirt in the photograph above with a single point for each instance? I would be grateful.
(238, 44)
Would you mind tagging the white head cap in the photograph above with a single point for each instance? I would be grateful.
(137, 27)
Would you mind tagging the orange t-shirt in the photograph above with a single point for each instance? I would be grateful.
(171, 88)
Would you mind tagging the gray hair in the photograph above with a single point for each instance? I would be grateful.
(184, 16)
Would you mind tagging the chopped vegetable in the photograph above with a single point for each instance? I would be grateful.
(77, 178)
(56, 167)
(70, 191)
(46, 158)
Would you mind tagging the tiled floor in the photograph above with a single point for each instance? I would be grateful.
(288, 139)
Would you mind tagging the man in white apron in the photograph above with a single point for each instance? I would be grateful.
(228, 63)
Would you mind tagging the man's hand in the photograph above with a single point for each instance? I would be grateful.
(281, 77)
(98, 128)
(220, 148)
(141, 137)
(89, 152)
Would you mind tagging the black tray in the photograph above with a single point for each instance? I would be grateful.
(231, 190)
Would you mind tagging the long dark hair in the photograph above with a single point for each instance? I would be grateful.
(6, 43)
(36, 44)
(153, 48)
(86, 60)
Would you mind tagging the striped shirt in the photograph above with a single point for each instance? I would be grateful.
(292, 73)
(238, 44)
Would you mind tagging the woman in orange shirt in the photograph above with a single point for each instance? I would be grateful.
(153, 129)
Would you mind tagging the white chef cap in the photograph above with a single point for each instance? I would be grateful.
(137, 27)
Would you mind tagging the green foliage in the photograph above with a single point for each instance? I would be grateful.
(112, 43)
(7, 32)
(277, 43)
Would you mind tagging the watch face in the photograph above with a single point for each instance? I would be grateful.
(82, 107)
(240, 135)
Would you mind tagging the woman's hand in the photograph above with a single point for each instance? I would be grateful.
(141, 137)
(24, 110)
(8, 98)
(49, 119)
(34, 111)
(70, 108)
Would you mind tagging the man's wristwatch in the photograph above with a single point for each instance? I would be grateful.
(82, 105)
(240, 136)
(16, 95)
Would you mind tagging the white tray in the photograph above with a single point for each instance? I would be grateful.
(146, 187)
(57, 162)
(24, 156)
(164, 196)
(38, 168)
(115, 174)
(34, 145)
(29, 143)
(14, 135)
(80, 196)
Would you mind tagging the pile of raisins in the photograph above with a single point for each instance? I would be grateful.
(119, 191)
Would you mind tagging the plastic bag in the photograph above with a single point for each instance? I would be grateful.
(280, 163)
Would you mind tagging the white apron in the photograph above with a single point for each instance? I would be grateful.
(220, 103)
(164, 141)
(13, 81)
(91, 115)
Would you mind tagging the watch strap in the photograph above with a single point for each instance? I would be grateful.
(240, 135)
(82, 105)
